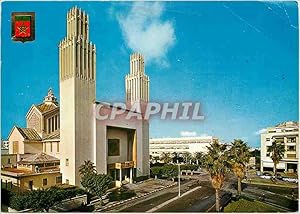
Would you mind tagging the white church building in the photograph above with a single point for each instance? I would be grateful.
(117, 147)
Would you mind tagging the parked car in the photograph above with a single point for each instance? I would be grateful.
(267, 174)
(279, 176)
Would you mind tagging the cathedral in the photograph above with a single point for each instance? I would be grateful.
(69, 130)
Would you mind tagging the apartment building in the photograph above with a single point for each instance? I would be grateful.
(286, 133)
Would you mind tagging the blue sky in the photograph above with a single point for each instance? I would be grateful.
(238, 59)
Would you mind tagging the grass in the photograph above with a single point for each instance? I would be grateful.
(262, 181)
(244, 205)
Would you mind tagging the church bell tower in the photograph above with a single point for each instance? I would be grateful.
(137, 82)
(77, 74)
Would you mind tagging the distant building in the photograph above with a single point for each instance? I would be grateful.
(180, 145)
(4, 147)
(32, 172)
(286, 133)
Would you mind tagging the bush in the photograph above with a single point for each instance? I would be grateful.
(43, 199)
(156, 170)
(140, 178)
(121, 193)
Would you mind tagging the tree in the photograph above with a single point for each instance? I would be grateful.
(187, 156)
(277, 151)
(86, 168)
(156, 170)
(43, 199)
(175, 157)
(216, 163)
(170, 170)
(166, 157)
(239, 157)
(198, 156)
(93, 182)
(101, 184)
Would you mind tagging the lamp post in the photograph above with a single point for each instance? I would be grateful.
(179, 180)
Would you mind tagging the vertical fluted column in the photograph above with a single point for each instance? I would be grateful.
(64, 58)
(78, 56)
(90, 60)
(86, 59)
(74, 55)
(94, 62)
(59, 59)
(87, 28)
(81, 59)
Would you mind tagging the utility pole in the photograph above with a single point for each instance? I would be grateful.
(179, 180)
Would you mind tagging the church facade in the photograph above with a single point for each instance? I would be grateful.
(117, 147)
(70, 131)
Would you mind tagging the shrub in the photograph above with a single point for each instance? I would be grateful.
(140, 178)
(42, 199)
(121, 193)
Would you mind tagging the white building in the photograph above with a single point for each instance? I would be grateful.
(286, 133)
(180, 145)
(117, 147)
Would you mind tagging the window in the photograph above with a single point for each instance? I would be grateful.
(30, 185)
(15, 147)
(291, 156)
(45, 147)
(57, 147)
(45, 182)
(59, 180)
(50, 146)
(55, 122)
(9, 161)
(113, 147)
(52, 124)
(291, 140)
(291, 148)
(267, 139)
(67, 162)
(49, 125)
(67, 181)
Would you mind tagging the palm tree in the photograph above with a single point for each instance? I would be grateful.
(175, 157)
(187, 157)
(277, 151)
(87, 168)
(166, 157)
(216, 163)
(239, 157)
(198, 156)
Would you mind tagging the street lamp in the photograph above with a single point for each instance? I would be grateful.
(179, 180)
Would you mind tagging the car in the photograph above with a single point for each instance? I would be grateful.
(279, 176)
(267, 174)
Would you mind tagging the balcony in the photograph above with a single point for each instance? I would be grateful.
(124, 165)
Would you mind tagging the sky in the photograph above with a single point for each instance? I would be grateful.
(238, 59)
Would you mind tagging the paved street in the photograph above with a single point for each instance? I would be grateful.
(199, 200)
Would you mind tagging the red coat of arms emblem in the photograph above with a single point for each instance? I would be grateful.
(23, 26)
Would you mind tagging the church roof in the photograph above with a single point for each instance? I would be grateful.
(45, 107)
(39, 158)
(52, 136)
(29, 134)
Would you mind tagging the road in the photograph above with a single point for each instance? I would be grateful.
(199, 200)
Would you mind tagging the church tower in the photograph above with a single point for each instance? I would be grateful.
(137, 82)
(77, 74)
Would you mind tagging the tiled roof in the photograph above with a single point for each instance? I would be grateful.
(39, 158)
(29, 134)
(54, 135)
(44, 107)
